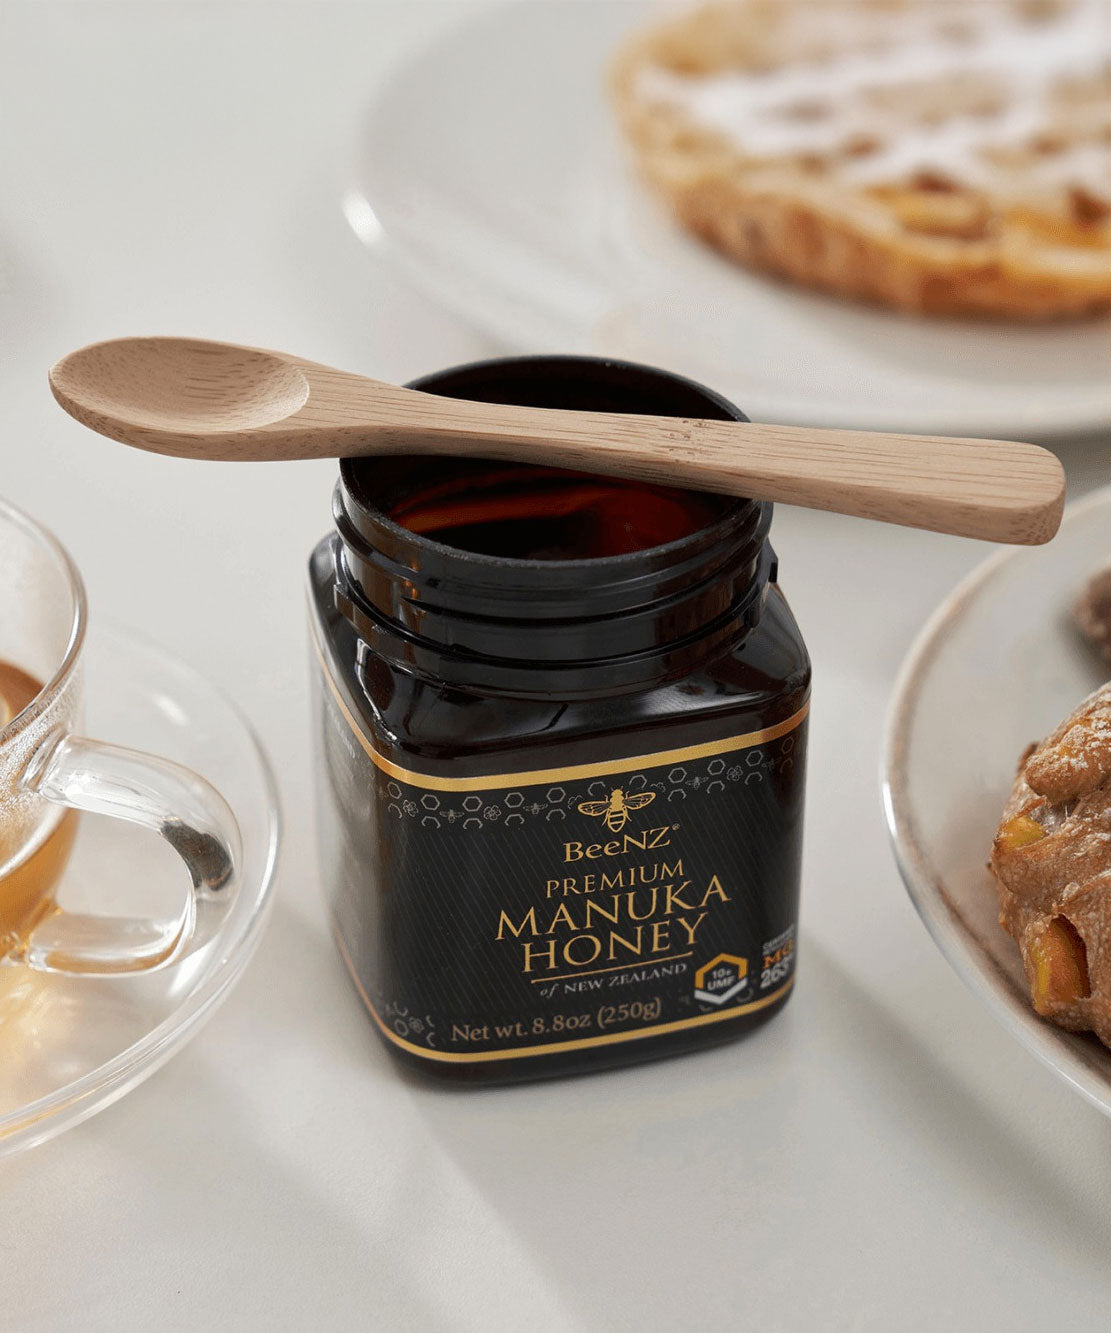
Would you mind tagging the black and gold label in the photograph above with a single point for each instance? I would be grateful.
(548, 910)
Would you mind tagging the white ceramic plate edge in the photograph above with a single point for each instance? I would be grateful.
(1064, 1053)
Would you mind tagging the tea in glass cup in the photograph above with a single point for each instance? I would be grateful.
(49, 772)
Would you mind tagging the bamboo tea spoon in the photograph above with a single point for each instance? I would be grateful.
(197, 399)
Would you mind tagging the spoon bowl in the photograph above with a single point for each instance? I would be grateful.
(197, 399)
(180, 384)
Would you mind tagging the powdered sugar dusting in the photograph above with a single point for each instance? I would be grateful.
(886, 95)
(1076, 759)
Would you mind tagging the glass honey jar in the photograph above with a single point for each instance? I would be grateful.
(560, 732)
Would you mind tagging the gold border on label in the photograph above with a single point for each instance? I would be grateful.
(573, 772)
(555, 1047)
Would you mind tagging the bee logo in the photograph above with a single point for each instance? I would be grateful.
(615, 811)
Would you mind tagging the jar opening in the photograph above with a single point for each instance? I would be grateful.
(519, 512)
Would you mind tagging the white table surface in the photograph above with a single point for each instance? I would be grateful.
(882, 1156)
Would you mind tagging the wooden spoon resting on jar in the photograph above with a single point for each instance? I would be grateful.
(197, 399)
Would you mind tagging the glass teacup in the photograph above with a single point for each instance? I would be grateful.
(48, 772)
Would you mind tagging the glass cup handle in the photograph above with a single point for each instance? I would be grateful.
(182, 808)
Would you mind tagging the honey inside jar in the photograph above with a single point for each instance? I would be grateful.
(527, 513)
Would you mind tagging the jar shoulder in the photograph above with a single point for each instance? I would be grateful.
(770, 663)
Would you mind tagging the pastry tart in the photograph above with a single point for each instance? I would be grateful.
(1052, 864)
(940, 156)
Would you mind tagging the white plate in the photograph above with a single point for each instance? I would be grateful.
(69, 1046)
(490, 171)
(998, 666)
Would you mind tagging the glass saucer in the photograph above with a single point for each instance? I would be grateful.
(69, 1046)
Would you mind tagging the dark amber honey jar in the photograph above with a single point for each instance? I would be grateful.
(560, 724)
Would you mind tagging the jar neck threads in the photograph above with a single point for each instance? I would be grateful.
(481, 618)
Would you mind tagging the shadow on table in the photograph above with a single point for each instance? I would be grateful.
(287, 1210)
(693, 1183)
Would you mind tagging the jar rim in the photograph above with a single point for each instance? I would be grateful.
(483, 560)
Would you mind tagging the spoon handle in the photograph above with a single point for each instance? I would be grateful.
(992, 489)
